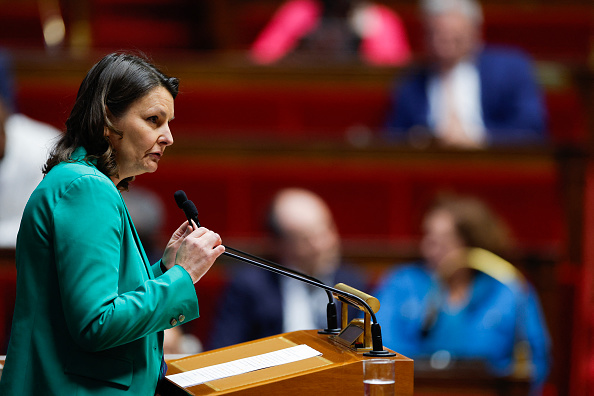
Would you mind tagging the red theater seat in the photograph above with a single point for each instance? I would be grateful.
(277, 112)
(20, 25)
(371, 198)
(146, 25)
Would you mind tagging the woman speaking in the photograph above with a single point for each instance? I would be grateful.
(90, 309)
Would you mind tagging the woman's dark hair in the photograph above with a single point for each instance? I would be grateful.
(109, 88)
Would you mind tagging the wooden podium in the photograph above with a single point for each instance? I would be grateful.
(338, 371)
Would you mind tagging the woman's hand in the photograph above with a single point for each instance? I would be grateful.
(174, 243)
(198, 251)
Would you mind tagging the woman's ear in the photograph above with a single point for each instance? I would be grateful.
(107, 134)
(107, 123)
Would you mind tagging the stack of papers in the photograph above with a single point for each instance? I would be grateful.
(242, 366)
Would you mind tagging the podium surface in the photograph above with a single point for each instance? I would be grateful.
(338, 371)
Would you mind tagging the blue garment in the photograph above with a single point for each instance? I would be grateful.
(252, 306)
(7, 79)
(495, 317)
(512, 104)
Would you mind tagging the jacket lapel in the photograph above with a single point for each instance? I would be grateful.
(138, 243)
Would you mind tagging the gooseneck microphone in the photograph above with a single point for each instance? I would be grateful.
(191, 213)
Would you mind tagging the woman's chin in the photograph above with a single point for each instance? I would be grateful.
(151, 167)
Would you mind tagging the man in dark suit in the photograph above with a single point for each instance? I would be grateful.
(467, 95)
(259, 303)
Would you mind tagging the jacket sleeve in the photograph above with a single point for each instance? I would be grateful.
(513, 103)
(157, 269)
(385, 41)
(88, 236)
(289, 24)
(408, 108)
(533, 329)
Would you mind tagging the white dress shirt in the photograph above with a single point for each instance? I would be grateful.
(465, 99)
(27, 147)
(304, 306)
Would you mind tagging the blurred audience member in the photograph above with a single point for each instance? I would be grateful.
(463, 301)
(259, 303)
(24, 147)
(177, 341)
(333, 30)
(467, 95)
(148, 213)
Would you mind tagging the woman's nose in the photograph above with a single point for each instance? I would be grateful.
(166, 137)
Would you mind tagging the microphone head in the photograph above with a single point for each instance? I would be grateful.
(180, 198)
(191, 211)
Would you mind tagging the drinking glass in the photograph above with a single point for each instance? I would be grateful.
(379, 377)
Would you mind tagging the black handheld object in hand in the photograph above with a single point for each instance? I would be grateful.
(187, 206)
(180, 198)
(191, 212)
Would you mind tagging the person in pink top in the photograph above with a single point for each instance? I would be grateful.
(338, 29)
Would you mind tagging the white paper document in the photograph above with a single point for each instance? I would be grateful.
(245, 365)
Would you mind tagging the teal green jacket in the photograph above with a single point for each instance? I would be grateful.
(90, 310)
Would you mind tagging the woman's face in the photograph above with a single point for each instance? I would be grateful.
(440, 237)
(145, 134)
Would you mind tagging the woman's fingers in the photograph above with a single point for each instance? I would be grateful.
(198, 252)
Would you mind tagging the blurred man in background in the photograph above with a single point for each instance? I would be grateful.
(259, 303)
(24, 148)
(467, 95)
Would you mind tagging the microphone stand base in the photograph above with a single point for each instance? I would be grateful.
(329, 331)
(382, 353)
